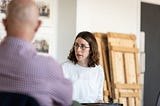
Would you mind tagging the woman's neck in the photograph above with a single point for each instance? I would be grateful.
(83, 63)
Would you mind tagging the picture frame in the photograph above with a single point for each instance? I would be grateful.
(45, 11)
(42, 42)
(41, 45)
(44, 6)
(3, 8)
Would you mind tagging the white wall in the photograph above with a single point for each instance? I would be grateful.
(107, 15)
(66, 28)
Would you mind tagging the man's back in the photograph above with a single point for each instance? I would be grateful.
(23, 71)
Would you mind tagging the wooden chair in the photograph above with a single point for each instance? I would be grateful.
(124, 69)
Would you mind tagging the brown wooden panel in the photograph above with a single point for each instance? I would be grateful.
(123, 58)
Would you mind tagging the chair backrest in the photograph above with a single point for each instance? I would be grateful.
(16, 99)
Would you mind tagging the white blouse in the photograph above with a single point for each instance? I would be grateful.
(87, 82)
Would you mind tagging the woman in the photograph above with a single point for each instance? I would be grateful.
(83, 69)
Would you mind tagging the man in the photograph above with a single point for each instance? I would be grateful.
(22, 70)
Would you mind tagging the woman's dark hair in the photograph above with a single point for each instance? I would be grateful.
(94, 54)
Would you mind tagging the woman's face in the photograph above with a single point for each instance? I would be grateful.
(82, 50)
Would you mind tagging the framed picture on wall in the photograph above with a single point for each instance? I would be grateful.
(42, 40)
(44, 6)
(3, 8)
(41, 45)
(45, 11)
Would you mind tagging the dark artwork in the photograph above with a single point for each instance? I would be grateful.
(3, 5)
(44, 7)
(41, 46)
(44, 11)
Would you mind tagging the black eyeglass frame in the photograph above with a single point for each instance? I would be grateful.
(82, 46)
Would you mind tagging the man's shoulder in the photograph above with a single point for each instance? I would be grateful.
(45, 61)
(45, 58)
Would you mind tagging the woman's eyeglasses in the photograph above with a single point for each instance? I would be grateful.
(82, 46)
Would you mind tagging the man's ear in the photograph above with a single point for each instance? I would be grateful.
(38, 25)
(4, 23)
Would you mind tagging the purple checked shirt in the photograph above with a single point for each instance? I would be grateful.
(22, 70)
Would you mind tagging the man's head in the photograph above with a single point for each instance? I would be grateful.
(22, 19)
